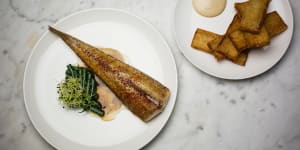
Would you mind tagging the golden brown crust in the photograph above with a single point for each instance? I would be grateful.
(219, 56)
(201, 40)
(250, 28)
(228, 49)
(274, 24)
(242, 58)
(213, 46)
(239, 40)
(251, 14)
(234, 25)
(257, 40)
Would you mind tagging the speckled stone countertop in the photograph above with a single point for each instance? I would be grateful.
(262, 113)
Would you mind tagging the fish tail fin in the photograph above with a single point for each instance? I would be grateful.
(57, 32)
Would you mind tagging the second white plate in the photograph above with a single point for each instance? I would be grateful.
(259, 61)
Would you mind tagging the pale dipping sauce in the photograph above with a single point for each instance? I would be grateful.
(209, 8)
(107, 98)
(109, 102)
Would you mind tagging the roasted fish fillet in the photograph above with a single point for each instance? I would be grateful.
(141, 94)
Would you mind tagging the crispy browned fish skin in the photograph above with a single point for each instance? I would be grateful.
(143, 95)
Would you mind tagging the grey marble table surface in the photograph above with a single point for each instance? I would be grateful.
(262, 113)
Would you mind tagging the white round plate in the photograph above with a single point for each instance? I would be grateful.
(259, 61)
(143, 48)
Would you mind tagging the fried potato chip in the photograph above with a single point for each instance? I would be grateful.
(234, 25)
(202, 38)
(274, 24)
(250, 28)
(228, 49)
(239, 40)
(213, 46)
(251, 14)
(219, 56)
(257, 40)
(242, 59)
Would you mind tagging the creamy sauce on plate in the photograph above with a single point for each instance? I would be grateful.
(209, 8)
(111, 104)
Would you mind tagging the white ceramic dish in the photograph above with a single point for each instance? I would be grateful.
(259, 61)
(143, 47)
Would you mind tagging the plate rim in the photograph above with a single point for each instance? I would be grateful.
(146, 23)
(234, 78)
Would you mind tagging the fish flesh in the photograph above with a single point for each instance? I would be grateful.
(142, 95)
